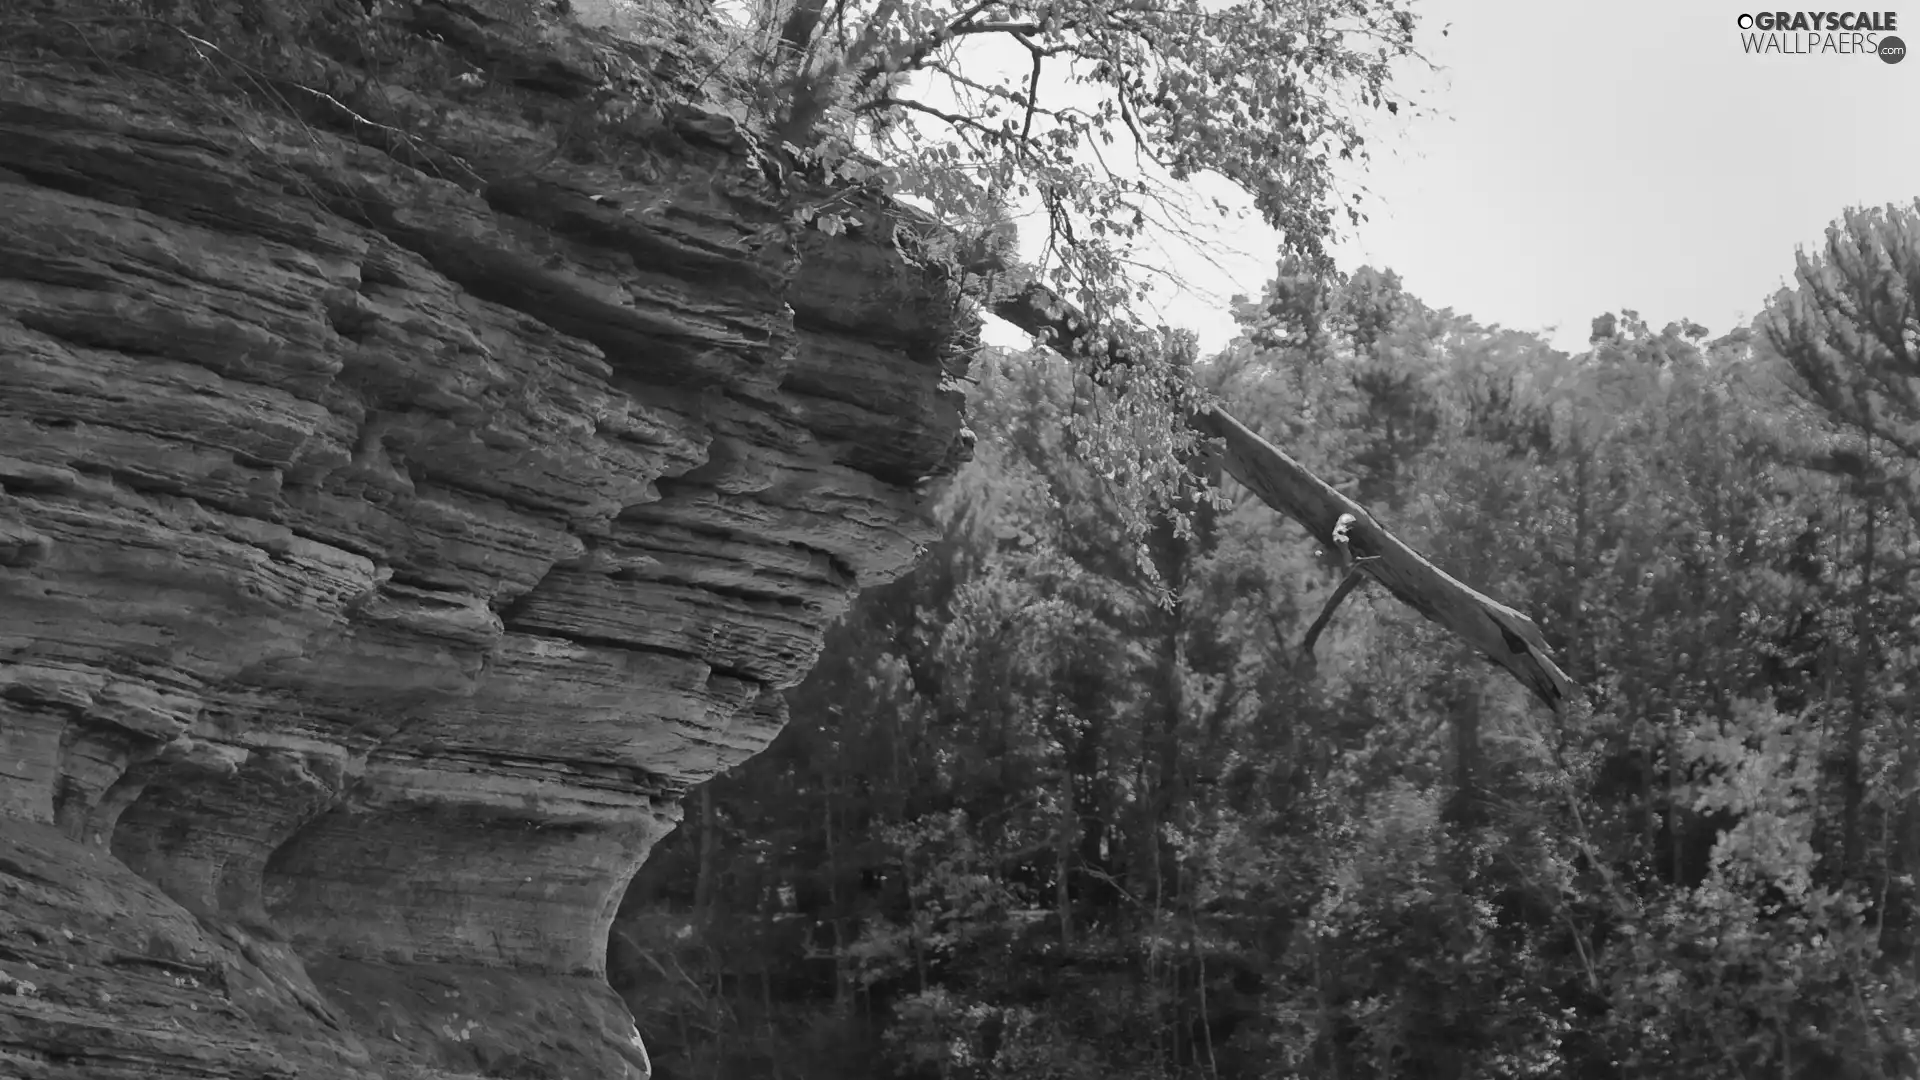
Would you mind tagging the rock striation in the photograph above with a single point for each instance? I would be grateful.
(395, 520)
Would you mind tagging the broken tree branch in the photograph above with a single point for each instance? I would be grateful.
(1347, 585)
(1506, 636)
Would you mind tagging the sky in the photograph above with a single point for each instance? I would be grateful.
(1583, 157)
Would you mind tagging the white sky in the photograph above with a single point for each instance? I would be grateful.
(1589, 157)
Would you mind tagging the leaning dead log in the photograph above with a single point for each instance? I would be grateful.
(1506, 636)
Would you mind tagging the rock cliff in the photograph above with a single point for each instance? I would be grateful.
(408, 492)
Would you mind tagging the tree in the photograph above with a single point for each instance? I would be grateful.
(1851, 329)
(1850, 335)
(975, 102)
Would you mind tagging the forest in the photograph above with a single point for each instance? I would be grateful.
(1046, 809)
(1127, 779)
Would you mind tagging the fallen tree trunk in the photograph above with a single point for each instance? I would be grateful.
(1506, 636)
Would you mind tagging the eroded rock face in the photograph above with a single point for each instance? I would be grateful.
(382, 554)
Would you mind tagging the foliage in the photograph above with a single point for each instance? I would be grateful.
(1851, 330)
(974, 105)
(1056, 828)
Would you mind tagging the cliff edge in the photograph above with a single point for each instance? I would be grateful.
(423, 458)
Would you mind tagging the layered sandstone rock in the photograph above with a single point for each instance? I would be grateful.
(390, 535)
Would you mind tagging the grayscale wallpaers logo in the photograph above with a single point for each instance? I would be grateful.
(1822, 33)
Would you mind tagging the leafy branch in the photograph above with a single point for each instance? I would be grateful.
(1002, 103)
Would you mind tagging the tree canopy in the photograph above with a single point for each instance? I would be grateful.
(1028, 822)
(1095, 111)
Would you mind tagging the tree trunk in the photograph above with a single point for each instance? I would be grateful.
(703, 883)
(1062, 884)
(1582, 642)
(1160, 729)
(1853, 784)
(1463, 708)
